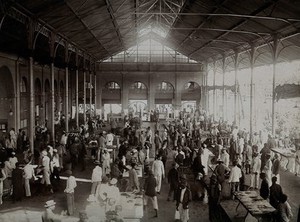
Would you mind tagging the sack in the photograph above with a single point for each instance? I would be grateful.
(177, 215)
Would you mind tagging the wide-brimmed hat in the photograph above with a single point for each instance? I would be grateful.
(50, 203)
(113, 181)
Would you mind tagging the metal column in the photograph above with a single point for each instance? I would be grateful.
(95, 92)
(67, 98)
(275, 56)
(91, 95)
(52, 105)
(18, 100)
(252, 60)
(214, 92)
(236, 56)
(223, 83)
(84, 96)
(31, 105)
(76, 97)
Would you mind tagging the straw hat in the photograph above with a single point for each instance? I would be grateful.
(113, 181)
(50, 203)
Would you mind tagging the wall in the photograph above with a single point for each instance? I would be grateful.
(151, 74)
(17, 68)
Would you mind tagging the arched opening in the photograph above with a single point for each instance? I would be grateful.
(61, 97)
(47, 101)
(24, 104)
(56, 97)
(111, 100)
(6, 101)
(39, 107)
(138, 100)
(190, 97)
(164, 95)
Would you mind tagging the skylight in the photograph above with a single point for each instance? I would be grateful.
(156, 29)
(150, 50)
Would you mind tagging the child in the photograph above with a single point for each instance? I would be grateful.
(234, 178)
(284, 209)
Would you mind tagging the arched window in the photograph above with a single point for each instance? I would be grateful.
(191, 86)
(47, 86)
(23, 85)
(165, 86)
(112, 85)
(138, 86)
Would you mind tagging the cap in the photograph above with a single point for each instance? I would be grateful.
(55, 150)
(44, 153)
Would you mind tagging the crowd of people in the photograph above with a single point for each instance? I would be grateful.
(191, 144)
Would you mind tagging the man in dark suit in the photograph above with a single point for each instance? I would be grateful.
(173, 180)
(150, 192)
(183, 197)
(275, 193)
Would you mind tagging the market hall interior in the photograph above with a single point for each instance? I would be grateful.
(128, 84)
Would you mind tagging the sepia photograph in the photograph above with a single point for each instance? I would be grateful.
(149, 110)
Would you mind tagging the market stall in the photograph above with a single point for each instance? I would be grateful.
(255, 205)
(129, 208)
(132, 206)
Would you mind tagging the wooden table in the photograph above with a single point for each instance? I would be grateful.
(132, 206)
(255, 205)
